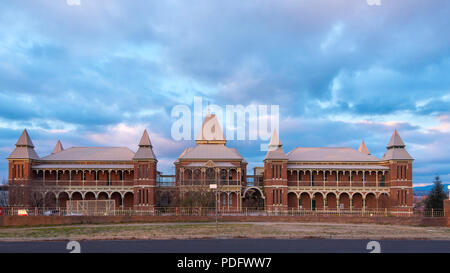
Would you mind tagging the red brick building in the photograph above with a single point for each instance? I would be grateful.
(344, 178)
(302, 179)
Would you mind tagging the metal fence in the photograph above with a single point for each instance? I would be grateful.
(108, 209)
(90, 207)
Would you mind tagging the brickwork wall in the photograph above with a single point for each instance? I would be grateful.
(9, 221)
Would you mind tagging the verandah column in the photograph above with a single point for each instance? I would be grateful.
(351, 172)
(376, 177)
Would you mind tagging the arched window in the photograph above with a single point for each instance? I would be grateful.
(197, 174)
(223, 174)
(210, 173)
(224, 199)
(382, 181)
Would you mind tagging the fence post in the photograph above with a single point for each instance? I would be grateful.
(432, 212)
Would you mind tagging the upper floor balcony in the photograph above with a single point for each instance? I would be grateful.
(82, 183)
(355, 184)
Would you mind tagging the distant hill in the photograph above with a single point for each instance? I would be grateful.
(424, 190)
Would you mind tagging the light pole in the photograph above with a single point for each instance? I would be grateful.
(214, 186)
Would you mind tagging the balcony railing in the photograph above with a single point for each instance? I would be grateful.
(356, 184)
(195, 182)
(83, 183)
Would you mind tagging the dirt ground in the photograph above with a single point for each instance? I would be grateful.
(226, 230)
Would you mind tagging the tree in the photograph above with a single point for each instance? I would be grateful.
(435, 199)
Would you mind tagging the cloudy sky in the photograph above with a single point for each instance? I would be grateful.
(98, 73)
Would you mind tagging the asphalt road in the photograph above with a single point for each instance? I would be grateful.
(229, 246)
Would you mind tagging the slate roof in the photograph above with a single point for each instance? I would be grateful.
(329, 154)
(92, 154)
(396, 149)
(274, 149)
(82, 166)
(211, 151)
(363, 148)
(24, 148)
(23, 153)
(58, 148)
(145, 150)
(396, 140)
(25, 140)
(337, 167)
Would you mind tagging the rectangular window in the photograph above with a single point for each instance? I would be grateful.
(281, 197)
(96, 176)
(121, 175)
(22, 171)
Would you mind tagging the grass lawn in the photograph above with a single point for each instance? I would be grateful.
(227, 230)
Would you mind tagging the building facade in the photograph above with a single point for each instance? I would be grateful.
(305, 178)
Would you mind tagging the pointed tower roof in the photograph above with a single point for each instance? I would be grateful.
(58, 148)
(396, 140)
(396, 149)
(25, 140)
(211, 131)
(275, 140)
(363, 148)
(24, 148)
(145, 150)
(275, 151)
(145, 139)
